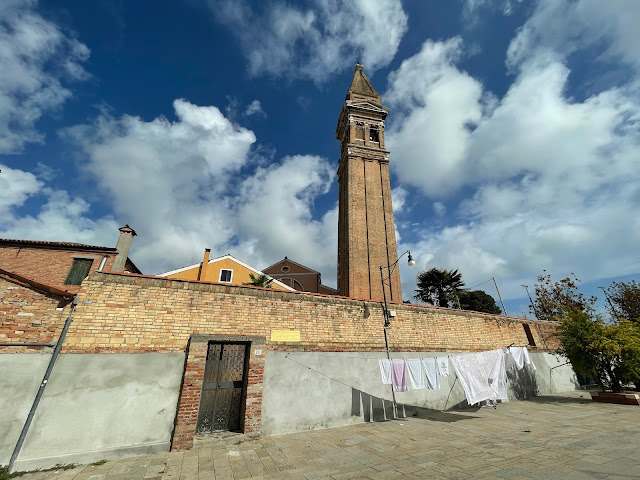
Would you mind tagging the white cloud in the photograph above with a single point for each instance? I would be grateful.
(316, 41)
(554, 180)
(62, 218)
(255, 108)
(16, 187)
(471, 7)
(439, 209)
(177, 183)
(36, 57)
(433, 105)
(559, 28)
(398, 199)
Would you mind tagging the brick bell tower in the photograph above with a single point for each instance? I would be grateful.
(366, 231)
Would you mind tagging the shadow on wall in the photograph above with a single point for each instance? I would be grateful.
(376, 409)
(523, 383)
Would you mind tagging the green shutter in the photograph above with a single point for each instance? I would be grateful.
(79, 271)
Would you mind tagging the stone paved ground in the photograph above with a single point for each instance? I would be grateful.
(565, 437)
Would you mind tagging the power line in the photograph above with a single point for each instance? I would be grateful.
(490, 280)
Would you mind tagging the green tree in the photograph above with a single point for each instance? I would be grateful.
(439, 287)
(555, 299)
(478, 301)
(625, 298)
(610, 353)
(261, 280)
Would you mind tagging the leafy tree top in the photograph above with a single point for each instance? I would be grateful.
(478, 301)
(439, 287)
(625, 298)
(555, 299)
(259, 281)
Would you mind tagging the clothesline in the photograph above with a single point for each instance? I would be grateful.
(481, 374)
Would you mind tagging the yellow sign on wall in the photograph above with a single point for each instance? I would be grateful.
(285, 335)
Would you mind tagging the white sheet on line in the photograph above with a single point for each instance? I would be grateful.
(416, 374)
(431, 371)
(482, 375)
(520, 357)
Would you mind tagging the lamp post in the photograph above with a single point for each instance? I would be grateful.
(387, 320)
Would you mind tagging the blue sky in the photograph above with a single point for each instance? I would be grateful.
(514, 130)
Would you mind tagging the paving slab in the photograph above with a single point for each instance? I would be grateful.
(561, 437)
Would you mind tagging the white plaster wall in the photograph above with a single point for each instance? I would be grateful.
(20, 377)
(311, 390)
(103, 406)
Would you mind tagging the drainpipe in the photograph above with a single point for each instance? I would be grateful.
(43, 385)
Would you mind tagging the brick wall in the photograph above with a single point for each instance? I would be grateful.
(131, 313)
(49, 266)
(27, 316)
(189, 402)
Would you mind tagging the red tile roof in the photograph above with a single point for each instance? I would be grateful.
(38, 286)
(48, 244)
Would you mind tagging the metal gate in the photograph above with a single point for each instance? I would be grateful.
(223, 389)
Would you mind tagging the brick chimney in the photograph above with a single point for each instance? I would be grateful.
(202, 274)
(124, 244)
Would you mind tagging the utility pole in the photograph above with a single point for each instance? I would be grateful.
(499, 296)
(535, 312)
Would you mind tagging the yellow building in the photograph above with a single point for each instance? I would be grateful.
(225, 269)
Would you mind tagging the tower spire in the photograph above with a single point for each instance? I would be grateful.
(361, 86)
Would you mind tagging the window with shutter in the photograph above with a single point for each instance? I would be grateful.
(79, 271)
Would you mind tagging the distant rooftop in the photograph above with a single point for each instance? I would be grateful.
(46, 243)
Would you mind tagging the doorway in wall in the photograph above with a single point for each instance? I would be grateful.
(224, 388)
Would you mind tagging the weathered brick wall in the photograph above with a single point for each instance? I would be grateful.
(27, 316)
(131, 313)
(49, 266)
(190, 393)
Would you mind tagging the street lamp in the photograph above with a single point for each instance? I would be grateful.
(387, 319)
(391, 268)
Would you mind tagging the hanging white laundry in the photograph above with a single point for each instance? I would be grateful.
(431, 370)
(385, 370)
(475, 371)
(519, 356)
(498, 378)
(443, 366)
(416, 374)
(399, 375)
(527, 359)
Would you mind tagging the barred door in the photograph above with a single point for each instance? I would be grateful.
(223, 389)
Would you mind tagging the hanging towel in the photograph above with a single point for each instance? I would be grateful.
(399, 375)
(443, 366)
(527, 359)
(385, 370)
(431, 370)
(519, 356)
(416, 374)
(498, 377)
(481, 375)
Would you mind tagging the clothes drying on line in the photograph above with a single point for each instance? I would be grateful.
(385, 370)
